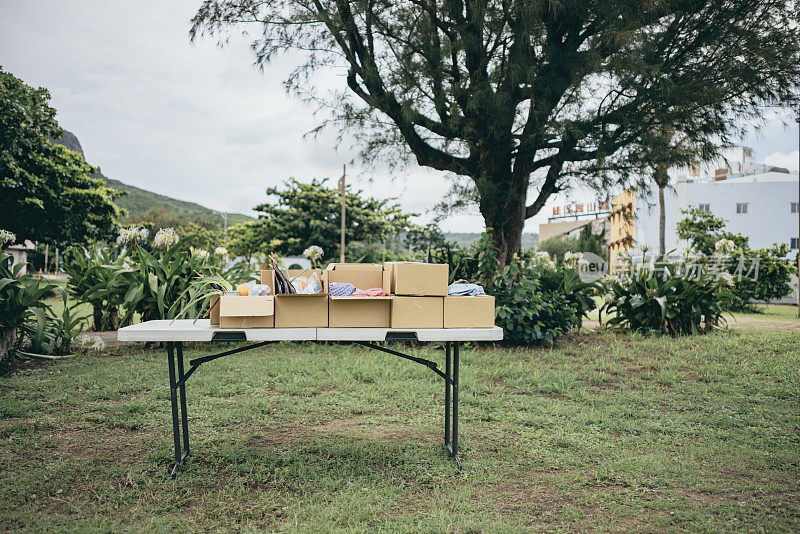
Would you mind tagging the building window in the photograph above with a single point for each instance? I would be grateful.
(795, 207)
(794, 243)
(704, 207)
(741, 207)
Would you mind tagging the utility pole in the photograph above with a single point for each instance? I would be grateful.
(798, 215)
(342, 191)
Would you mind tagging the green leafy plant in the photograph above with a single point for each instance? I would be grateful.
(537, 302)
(92, 271)
(199, 293)
(665, 299)
(20, 297)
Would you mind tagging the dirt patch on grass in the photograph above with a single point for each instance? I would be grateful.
(358, 426)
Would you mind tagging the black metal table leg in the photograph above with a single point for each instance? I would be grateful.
(182, 391)
(173, 394)
(454, 443)
(447, 388)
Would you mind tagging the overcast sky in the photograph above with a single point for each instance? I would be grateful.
(201, 123)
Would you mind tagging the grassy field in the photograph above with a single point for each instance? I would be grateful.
(601, 432)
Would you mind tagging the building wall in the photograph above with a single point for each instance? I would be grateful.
(768, 219)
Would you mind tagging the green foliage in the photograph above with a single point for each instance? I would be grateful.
(702, 229)
(92, 273)
(244, 239)
(148, 282)
(536, 303)
(310, 214)
(586, 241)
(46, 332)
(665, 300)
(21, 300)
(48, 194)
(774, 274)
(426, 238)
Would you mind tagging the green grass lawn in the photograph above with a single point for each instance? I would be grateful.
(602, 432)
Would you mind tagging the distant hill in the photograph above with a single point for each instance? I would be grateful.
(464, 240)
(139, 201)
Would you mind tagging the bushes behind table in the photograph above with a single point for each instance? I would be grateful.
(662, 299)
(536, 303)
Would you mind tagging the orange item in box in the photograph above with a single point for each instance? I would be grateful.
(244, 291)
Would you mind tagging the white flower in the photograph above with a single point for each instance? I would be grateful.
(91, 343)
(313, 252)
(132, 234)
(7, 237)
(724, 246)
(166, 237)
(201, 253)
(541, 257)
(726, 279)
(221, 251)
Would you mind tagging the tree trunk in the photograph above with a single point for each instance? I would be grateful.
(506, 225)
(662, 224)
(8, 337)
(97, 317)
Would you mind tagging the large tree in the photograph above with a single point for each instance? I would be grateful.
(302, 214)
(46, 190)
(521, 96)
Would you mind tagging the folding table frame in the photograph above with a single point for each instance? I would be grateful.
(175, 333)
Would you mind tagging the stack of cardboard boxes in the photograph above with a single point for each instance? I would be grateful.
(416, 298)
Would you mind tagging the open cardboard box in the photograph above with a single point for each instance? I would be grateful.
(469, 312)
(299, 310)
(364, 312)
(417, 312)
(417, 279)
(246, 312)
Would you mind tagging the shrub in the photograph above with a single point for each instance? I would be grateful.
(46, 332)
(20, 300)
(151, 282)
(661, 299)
(772, 282)
(537, 302)
(91, 272)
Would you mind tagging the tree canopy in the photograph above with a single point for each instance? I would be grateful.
(303, 214)
(46, 191)
(520, 97)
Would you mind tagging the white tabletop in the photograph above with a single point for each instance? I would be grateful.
(201, 330)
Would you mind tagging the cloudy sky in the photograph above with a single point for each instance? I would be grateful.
(200, 123)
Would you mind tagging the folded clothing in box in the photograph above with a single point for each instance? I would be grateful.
(355, 291)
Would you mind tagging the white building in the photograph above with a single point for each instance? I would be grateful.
(756, 200)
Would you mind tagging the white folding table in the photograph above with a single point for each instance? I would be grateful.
(174, 333)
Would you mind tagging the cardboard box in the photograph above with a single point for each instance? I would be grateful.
(246, 312)
(359, 312)
(299, 310)
(417, 312)
(213, 310)
(469, 312)
(420, 279)
(361, 275)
